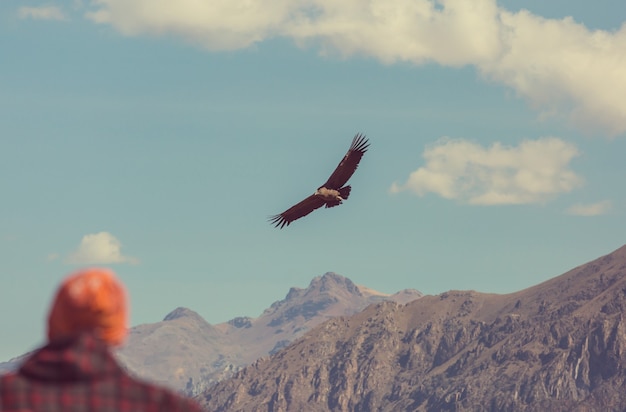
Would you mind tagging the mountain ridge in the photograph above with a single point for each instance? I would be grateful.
(558, 345)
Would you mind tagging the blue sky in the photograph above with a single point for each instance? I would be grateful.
(156, 138)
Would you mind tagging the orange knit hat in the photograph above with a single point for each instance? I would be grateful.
(91, 300)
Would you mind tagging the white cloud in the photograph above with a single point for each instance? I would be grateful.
(99, 248)
(404, 30)
(594, 209)
(216, 24)
(559, 66)
(409, 30)
(532, 172)
(41, 13)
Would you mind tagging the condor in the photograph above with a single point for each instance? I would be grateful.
(331, 193)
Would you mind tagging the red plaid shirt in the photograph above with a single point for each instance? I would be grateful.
(80, 375)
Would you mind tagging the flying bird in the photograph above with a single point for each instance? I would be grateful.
(331, 193)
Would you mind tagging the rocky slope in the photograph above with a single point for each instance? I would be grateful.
(558, 346)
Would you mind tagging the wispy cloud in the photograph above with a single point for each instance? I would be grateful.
(532, 172)
(216, 25)
(593, 209)
(42, 13)
(559, 66)
(99, 248)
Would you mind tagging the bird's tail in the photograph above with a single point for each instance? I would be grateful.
(344, 192)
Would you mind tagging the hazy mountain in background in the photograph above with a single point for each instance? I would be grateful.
(12, 364)
(560, 345)
(185, 352)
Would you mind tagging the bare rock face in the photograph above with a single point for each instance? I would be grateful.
(188, 354)
(557, 346)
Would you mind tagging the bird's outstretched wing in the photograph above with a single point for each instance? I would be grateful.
(297, 211)
(349, 163)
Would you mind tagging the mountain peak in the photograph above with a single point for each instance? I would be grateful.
(182, 312)
(326, 296)
(330, 281)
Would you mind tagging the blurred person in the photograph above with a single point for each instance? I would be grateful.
(76, 370)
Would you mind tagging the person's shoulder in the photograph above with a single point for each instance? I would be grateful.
(8, 378)
(12, 383)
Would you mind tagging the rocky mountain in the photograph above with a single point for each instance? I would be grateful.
(185, 352)
(557, 346)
